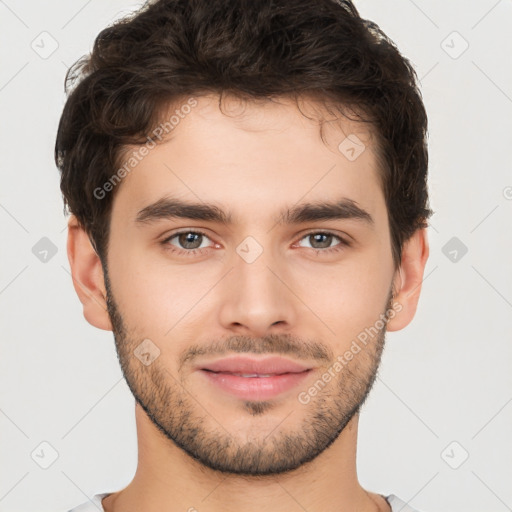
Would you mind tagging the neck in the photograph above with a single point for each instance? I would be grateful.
(167, 479)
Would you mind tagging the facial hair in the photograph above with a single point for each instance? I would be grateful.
(185, 421)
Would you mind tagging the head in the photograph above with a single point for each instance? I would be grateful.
(246, 177)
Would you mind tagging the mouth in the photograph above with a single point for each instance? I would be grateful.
(247, 366)
(254, 379)
(251, 375)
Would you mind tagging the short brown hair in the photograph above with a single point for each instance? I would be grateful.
(261, 49)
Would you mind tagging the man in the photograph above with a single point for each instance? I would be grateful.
(247, 184)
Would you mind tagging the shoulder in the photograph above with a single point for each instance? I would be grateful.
(93, 505)
(399, 505)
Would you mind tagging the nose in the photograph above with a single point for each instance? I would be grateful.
(257, 299)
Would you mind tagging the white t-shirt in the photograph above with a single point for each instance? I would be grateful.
(94, 504)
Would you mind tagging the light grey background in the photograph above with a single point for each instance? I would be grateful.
(446, 378)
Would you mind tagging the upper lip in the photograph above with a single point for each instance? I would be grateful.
(268, 365)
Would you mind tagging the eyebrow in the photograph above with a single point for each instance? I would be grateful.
(170, 208)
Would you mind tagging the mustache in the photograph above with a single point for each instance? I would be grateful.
(282, 344)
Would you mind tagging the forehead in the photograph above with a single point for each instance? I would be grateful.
(254, 157)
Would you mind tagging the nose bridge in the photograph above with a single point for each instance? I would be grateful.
(255, 297)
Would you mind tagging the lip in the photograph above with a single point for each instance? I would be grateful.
(284, 375)
(244, 364)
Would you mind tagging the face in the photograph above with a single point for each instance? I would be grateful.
(260, 268)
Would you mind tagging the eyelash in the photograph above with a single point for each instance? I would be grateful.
(192, 252)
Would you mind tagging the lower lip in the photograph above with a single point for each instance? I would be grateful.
(256, 388)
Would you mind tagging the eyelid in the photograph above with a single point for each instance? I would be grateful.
(343, 236)
(345, 240)
(198, 231)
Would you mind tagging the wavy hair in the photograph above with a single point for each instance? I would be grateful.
(253, 49)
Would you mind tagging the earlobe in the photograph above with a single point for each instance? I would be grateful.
(408, 280)
(87, 275)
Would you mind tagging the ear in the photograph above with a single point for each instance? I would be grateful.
(408, 279)
(87, 274)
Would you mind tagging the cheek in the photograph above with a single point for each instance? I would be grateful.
(348, 296)
(153, 296)
(347, 300)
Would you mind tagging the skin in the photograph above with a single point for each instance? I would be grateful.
(294, 299)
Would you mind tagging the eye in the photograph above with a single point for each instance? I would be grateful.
(191, 242)
(186, 242)
(322, 240)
